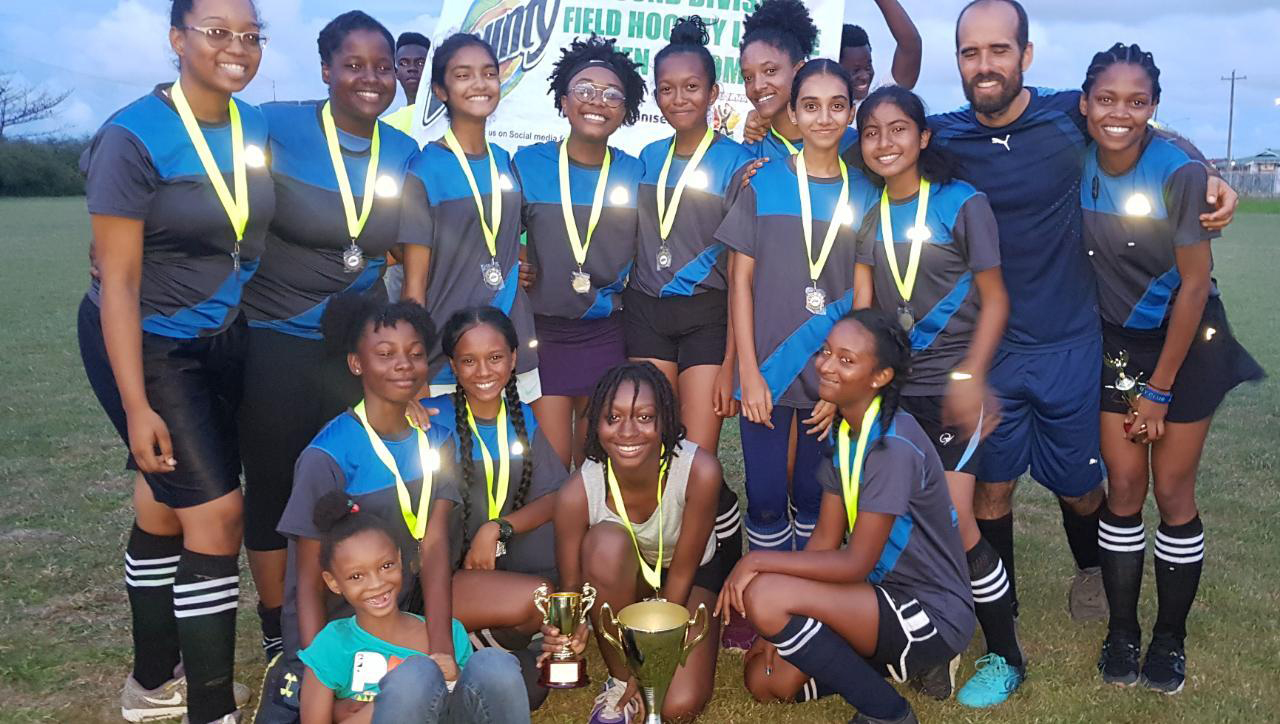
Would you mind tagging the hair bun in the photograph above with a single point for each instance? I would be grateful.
(785, 16)
(331, 509)
(690, 30)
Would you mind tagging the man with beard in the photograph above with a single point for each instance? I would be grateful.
(1024, 147)
(411, 61)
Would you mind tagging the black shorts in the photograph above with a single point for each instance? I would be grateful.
(728, 532)
(292, 387)
(907, 643)
(959, 452)
(1214, 365)
(195, 387)
(689, 331)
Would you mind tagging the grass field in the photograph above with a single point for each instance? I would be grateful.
(64, 624)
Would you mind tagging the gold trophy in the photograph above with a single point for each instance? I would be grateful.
(652, 638)
(566, 611)
(1127, 388)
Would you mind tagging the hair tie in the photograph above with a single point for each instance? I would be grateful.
(352, 506)
(589, 63)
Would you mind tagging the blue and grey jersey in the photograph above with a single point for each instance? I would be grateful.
(1134, 223)
(440, 213)
(765, 224)
(923, 557)
(698, 260)
(963, 241)
(613, 245)
(142, 165)
(772, 148)
(302, 267)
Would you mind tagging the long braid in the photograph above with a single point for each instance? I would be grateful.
(465, 461)
(515, 412)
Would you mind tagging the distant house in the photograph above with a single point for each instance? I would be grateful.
(1266, 162)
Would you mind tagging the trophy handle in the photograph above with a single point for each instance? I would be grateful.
(541, 601)
(588, 600)
(693, 621)
(606, 614)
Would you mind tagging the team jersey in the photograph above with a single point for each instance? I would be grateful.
(772, 147)
(1030, 171)
(923, 557)
(531, 552)
(350, 661)
(963, 241)
(302, 267)
(440, 213)
(142, 165)
(1133, 224)
(613, 245)
(765, 224)
(698, 262)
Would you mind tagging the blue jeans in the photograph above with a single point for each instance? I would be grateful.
(490, 690)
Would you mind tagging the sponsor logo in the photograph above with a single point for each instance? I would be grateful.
(946, 438)
(1002, 141)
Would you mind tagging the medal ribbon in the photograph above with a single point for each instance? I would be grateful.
(237, 207)
(498, 498)
(652, 574)
(416, 522)
(566, 205)
(666, 220)
(490, 228)
(355, 224)
(917, 237)
(806, 216)
(791, 148)
(851, 470)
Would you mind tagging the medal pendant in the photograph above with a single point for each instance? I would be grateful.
(492, 275)
(664, 257)
(352, 259)
(501, 550)
(815, 300)
(580, 281)
(906, 318)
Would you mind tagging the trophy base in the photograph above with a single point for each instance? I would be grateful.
(570, 674)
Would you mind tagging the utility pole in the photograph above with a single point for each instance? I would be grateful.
(1231, 114)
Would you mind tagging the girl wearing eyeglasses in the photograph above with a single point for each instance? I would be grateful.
(580, 215)
(179, 198)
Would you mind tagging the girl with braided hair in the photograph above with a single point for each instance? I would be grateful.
(894, 600)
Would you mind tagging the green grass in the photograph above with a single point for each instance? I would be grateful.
(64, 624)
(1259, 206)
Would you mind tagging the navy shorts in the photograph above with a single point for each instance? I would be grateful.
(957, 451)
(1048, 418)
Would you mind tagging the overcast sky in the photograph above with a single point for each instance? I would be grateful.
(108, 52)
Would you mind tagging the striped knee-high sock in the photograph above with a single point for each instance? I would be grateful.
(1179, 560)
(1123, 544)
(150, 562)
(993, 602)
(823, 654)
(776, 535)
(206, 591)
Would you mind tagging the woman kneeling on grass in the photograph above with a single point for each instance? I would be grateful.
(896, 599)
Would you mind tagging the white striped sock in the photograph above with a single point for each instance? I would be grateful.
(149, 572)
(1179, 550)
(204, 598)
(992, 586)
(1119, 539)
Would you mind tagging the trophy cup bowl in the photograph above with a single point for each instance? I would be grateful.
(565, 610)
(653, 637)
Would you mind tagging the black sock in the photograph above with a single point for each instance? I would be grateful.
(999, 533)
(1179, 558)
(1123, 544)
(206, 591)
(823, 654)
(149, 564)
(813, 691)
(993, 601)
(272, 638)
(1082, 534)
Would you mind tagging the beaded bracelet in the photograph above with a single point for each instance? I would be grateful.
(1156, 396)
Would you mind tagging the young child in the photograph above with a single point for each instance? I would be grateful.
(372, 667)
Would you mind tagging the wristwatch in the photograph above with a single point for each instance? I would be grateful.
(505, 531)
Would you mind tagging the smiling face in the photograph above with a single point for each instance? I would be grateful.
(684, 93)
(390, 361)
(857, 60)
(822, 111)
(471, 86)
(411, 61)
(990, 62)
(1118, 107)
(361, 76)
(227, 69)
(767, 73)
(628, 428)
(593, 120)
(366, 571)
(483, 362)
(848, 369)
(891, 141)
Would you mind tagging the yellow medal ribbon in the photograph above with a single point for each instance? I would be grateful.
(428, 459)
(355, 224)
(237, 207)
(791, 147)
(917, 234)
(806, 216)
(665, 219)
(652, 574)
(499, 497)
(566, 205)
(490, 228)
(851, 469)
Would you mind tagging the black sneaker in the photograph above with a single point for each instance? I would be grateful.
(908, 718)
(937, 682)
(1118, 662)
(1165, 667)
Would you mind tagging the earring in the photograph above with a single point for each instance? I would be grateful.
(875, 384)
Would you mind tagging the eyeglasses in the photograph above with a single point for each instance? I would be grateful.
(406, 63)
(221, 38)
(590, 92)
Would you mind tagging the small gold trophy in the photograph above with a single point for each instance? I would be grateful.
(652, 638)
(1127, 388)
(566, 611)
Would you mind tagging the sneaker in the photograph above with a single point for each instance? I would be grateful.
(908, 718)
(993, 682)
(606, 709)
(937, 682)
(163, 702)
(1118, 662)
(1088, 600)
(737, 636)
(231, 718)
(1165, 667)
(280, 694)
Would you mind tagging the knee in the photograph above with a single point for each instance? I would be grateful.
(992, 500)
(1176, 499)
(417, 679)
(492, 670)
(685, 705)
(607, 557)
(1083, 504)
(764, 611)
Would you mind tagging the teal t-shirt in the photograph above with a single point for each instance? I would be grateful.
(351, 661)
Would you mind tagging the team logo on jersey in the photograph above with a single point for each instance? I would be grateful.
(1002, 141)
(518, 31)
(946, 438)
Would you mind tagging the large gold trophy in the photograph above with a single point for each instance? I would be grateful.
(652, 638)
(566, 611)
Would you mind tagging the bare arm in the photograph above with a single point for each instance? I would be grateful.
(437, 579)
(991, 321)
(571, 527)
(311, 589)
(828, 534)
(317, 700)
(907, 54)
(757, 401)
(701, 497)
(863, 286)
(417, 269)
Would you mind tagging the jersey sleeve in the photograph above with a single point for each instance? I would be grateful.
(121, 179)
(326, 658)
(417, 218)
(738, 230)
(829, 477)
(315, 474)
(888, 476)
(1185, 199)
(975, 229)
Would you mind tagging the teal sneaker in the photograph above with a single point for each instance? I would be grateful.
(993, 682)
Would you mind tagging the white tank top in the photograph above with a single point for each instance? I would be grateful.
(673, 496)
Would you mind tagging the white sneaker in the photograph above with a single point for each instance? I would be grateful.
(606, 709)
(163, 702)
(231, 718)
